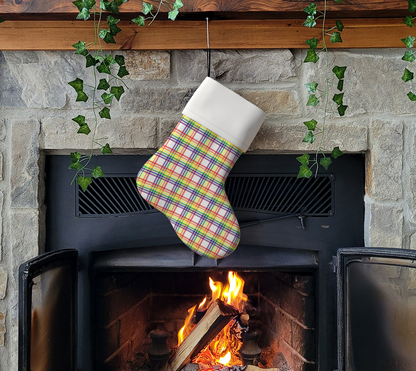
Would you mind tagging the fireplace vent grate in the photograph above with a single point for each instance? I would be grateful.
(116, 195)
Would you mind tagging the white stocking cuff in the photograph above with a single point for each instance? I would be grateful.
(224, 112)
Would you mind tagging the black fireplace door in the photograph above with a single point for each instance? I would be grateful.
(376, 309)
(47, 312)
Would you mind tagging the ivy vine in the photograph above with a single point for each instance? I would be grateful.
(409, 41)
(107, 72)
(315, 130)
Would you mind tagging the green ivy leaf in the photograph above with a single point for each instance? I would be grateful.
(336, 152)
(311, 9)
(325, 162)
(412, 5)
(84, 182)
(408, 41)
(84, 129)
(90, 61)
(104, 68)
(107, 36)
(304, 159)
(97, 172)
(178, 4)
(312, 101)
(114, 30)
(117, 91)
(311, 56)
(80, 48)
(139, 20)
(122, 72)
(411, 96)
(311, 124)
(147, 8)
(106, 149)
(81, 96)
(342, 109)
(311, 86)
(79, 4)
(112, 21)
(407, 75)
(173, 14)
(339, 72)
(105, 113)
(80, 120)
(304, 172)
(109, 60)
(75, 165)
(313, 43)
(409, 56)
(103, 85)
(120, 60)
(340, 85)
(310, 21)
(338, 1)
(337, 98)
(107, 98)
(339, 25)
(336, 38)
(309, 137)
(77, 84)
(75, 157)
(408, 21)
(2, 20)
(84, 14)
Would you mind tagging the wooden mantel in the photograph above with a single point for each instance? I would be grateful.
(233, 24)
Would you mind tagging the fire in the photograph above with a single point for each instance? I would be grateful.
(226, 359)
(187, 327)
(224, 348)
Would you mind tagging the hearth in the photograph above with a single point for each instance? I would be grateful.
(136, 277)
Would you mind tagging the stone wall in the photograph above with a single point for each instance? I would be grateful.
(37, 104)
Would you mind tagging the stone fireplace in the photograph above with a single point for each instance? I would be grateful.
(37, 105)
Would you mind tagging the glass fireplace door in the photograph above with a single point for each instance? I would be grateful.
(47, 312)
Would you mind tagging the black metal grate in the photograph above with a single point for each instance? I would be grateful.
(269, 193)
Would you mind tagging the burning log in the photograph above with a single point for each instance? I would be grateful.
(215, 319)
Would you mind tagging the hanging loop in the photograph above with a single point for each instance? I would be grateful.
(208, 51)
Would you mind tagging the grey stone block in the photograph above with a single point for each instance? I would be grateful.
(123, 132)
(385, 226)
(24, 163)
(372, 83)
(10, 94)
(385, 160)
(154, 100)
(251, 66)
(24, 223)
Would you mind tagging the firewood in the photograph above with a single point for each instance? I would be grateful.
(215, 319)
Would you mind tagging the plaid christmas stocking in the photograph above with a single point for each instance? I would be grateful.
(185, 178)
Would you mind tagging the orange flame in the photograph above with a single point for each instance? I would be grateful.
(188, 325)
(224, 348)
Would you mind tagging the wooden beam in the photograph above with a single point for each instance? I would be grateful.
(227, 34)
(64, 9)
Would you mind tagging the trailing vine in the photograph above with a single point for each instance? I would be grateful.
(409, 41)
(332, 77)
(107, 72)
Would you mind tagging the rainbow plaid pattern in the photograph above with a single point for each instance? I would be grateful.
(185, 180)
